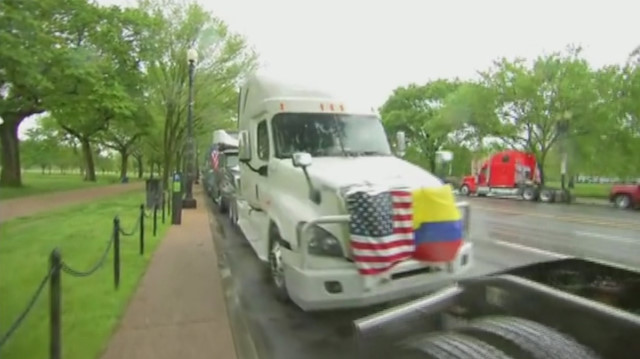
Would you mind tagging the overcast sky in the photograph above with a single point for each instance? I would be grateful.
(371, 47)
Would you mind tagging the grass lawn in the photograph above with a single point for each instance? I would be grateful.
(91, 305)
(592, 190)
(37, 183)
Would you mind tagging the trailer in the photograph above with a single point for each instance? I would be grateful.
(569, 308)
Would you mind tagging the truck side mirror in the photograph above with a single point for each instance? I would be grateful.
(301, 159)
(244, 147)
(401, 143)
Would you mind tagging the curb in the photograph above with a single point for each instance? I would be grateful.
(242, 339)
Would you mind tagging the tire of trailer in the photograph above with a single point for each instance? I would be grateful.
(464, 190)
(547, 195)
(529, 193)
(522, 338)
(451, 346)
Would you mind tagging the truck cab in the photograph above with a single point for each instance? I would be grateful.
(301, 152)
(511, 173)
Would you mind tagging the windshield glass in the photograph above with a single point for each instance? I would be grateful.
(324, 134)
(232, 160)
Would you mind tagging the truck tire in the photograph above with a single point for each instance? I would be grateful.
(529, 194)
(452, 346)
(522, 338)
(276, 266)
(622, 201)
(465, 190)
(547, 195)
(222, 203)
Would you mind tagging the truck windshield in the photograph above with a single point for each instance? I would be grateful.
(325, 134)
(232, 160)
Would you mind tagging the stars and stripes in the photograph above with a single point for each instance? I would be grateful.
(389, 226)
(214, 159)
(381, 229)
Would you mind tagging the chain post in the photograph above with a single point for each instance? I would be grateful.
(116, 252)
(55, 303)
(155, 219)
(141, 229)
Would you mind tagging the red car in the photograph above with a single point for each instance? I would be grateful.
(625, 195)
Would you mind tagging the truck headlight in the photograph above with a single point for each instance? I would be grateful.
(321, 242)
(465, 210)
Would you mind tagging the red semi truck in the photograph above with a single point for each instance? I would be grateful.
(511, 173)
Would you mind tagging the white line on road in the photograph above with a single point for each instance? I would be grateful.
(531, 249)
(607, 237)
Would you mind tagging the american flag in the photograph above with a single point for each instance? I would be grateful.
(214, 160)
(381, 229)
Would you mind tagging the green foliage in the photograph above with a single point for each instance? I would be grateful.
(113, 80)
(552, 104)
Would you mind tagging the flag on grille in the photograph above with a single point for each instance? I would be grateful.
(437, 224)
(214, 159)
(387, 227)
(381, 228)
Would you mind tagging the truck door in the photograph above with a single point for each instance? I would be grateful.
(263, 152)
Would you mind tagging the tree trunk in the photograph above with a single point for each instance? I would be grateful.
(140, 165)
(124, 164)
(10, 175)
(90, 167)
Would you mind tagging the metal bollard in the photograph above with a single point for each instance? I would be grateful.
(155, 220)
(164, 205)
(141, 229)
(116, 252)
(55, 304)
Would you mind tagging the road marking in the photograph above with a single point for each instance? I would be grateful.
(575, 219)
(522, 247)
(607, 237)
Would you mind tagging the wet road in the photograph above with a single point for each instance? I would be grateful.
(506, 233)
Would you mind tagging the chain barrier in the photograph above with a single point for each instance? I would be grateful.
(133, 229)
(57, 265)
(76, 273)
(34, 298)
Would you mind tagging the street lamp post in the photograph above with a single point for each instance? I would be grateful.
(189, 201)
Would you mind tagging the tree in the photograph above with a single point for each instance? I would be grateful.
(225, 60)
(99, 82)
(29, 49)
(416, 111)
(532, 107)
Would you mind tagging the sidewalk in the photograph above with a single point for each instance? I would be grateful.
(27, 206)
(178, 310)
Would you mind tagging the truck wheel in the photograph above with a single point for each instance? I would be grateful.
(454, 346)
(222, 204)
(529, 194)
(276, 266)
(464, 190)
(622, 201)
(519, 338)
(547, 196)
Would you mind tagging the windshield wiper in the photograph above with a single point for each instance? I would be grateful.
(365, 153)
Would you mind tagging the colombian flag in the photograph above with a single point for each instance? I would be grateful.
(437, 224)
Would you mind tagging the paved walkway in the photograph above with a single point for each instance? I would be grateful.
(178, 311)
(27, 206)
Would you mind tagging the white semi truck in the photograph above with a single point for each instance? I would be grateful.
(299, 148)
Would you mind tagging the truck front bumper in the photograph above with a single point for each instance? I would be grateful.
(321, 289)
